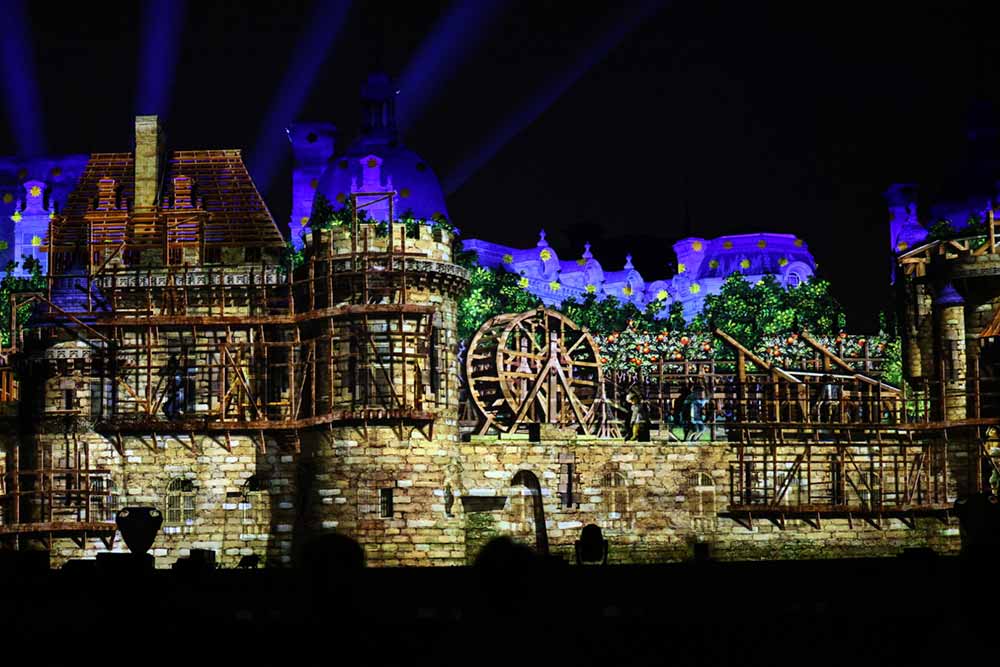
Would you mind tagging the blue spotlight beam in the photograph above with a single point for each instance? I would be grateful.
(440, 55)
(162, 24)
(314, 46)
(22, 101)
(528, 112)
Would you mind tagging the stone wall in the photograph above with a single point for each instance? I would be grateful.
(225, 518)
(653, 501)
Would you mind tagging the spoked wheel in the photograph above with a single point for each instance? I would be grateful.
(534, 367)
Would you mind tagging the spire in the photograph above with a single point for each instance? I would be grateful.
(378, 109)
(628, 262)
(542, 243)
(586, 251)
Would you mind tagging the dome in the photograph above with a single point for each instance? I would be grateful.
(368, 167)
(377, 161)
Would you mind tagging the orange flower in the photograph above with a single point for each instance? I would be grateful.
(707, 347)
(678, 355)
(653, 358)
(862, 342)
(685, 340)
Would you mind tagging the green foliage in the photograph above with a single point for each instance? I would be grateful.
(491, 293)
(292, 256)
(892, 369)
(749, 312)
(943, 229)
(468, 259)
(675, 321)
(326, 216)
(11, 284)
(608, 314)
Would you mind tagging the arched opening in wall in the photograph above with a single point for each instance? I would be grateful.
(256, 506)
(180, 505)
(520, 513)
(702, 504)
(615, 512)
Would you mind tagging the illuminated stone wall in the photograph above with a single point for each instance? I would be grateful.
(653, 501)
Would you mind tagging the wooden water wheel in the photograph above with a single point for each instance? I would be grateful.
(534, 367)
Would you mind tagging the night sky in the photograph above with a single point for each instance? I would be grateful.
(710, 118)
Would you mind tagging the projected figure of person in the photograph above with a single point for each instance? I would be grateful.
(695, 410)
(638, 418)
(829, 399)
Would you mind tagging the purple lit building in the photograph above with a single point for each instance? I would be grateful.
(30, 191)
(702, 266)
(376, 161)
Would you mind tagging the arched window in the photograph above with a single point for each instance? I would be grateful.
(702, 498)
(615, 509)
(256, 506)
(180, 502)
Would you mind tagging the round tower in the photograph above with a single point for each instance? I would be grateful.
(385, 471)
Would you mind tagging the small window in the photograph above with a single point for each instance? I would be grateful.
(69, 399)
(213, 255)
(614, 500)
(567, 487)
(255, 506)
(385, 503)
(252, 254)
(180, 502)
(435, 361)
(104, 501)
(702, 503)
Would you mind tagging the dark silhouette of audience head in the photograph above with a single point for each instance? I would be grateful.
(328, 569)
(591, 547)
(332, 552)
(504, 554)
(504, 570)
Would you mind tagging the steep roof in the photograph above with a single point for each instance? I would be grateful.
(237, 214)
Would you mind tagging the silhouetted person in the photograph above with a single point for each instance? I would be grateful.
(505, 569)
(694, 407)
(591, 547)
(680, 419)
(829, 399)
(329, 567)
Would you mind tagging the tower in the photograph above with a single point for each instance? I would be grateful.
(31, 225)
(385, 313)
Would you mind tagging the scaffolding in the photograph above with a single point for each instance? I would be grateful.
(179, 341)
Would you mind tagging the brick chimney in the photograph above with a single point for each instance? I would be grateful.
(148, 152)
